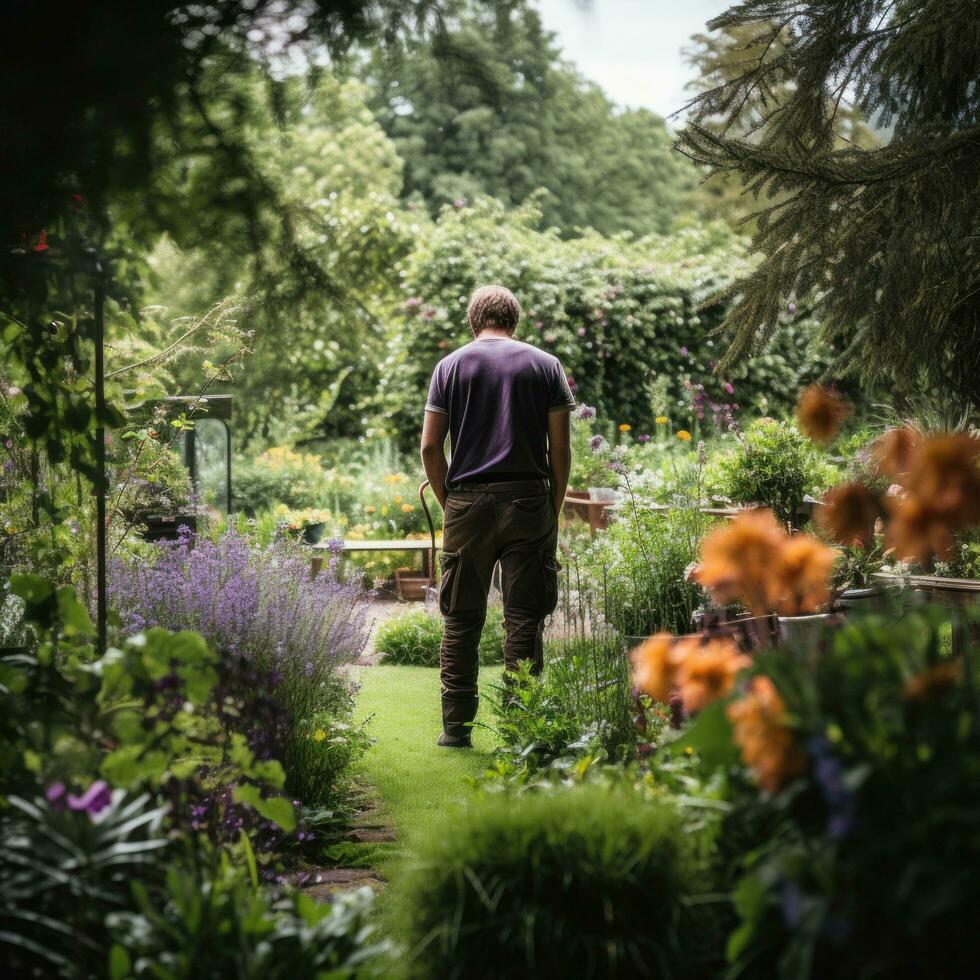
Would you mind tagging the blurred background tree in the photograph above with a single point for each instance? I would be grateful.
(486, 105)
(882, 239)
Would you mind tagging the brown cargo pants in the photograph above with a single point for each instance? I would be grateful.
(513, 523)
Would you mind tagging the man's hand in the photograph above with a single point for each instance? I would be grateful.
(559, 456)
(435, 426)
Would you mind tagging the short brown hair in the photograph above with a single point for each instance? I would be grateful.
(493, 306)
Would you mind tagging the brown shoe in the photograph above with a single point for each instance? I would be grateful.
(448, 742)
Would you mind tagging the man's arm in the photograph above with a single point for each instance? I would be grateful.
(559, 456)
(435, 425)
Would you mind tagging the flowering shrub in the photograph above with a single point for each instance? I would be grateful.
(281, 635)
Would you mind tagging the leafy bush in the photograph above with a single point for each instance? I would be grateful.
(584, 883)
(221, 926)
(279, 476)
(281, 637)
(414, 638)
(774, 465)
(634, 574)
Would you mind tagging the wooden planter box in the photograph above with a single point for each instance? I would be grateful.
(410, 585)
(166, 527)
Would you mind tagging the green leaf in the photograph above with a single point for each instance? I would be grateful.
(711, 737)
(253, 870)
(277, 808)
(32, 589)
(75, 620)
(120, 966)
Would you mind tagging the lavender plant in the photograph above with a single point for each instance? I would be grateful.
(281, 636)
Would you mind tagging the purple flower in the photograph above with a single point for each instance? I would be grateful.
(585, 412)
(595, 443)
(459, 202)
(581, 331)
(729, 387)
(428, 313)
(93, 801)
(56, 795)
(617, 467)
(791, 309)
(684, 352)
(412, 302)
(643, 438)
(572, 384)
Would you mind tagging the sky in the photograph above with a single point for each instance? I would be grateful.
(632, 48)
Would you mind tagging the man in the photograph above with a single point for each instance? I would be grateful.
(505, 406)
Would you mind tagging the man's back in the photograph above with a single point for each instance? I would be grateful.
(498, 393)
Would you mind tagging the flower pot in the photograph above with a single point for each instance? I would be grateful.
(312, 533)
(166, 527)
(857, 598)
(802, 631)
(410, 584)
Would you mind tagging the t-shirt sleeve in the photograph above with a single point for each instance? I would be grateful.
(560, 397)
(436, 402)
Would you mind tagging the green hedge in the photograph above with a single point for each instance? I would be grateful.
(582, 883)
(620, 313)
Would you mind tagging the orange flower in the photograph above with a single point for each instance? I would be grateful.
(684, 435)
(707, 671)
(624, 427)
(739, 561)
(820, 413)
(933, 682)
(849, 513)
(945, 475)
(941, 485)
(915, 531)
(892, 451)
(755, 561)
(806, 569)
(767, 743)
(655, 666)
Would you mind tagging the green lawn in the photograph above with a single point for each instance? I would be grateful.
(414, 778)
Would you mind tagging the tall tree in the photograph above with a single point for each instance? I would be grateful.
(485, 105)
(883, 240)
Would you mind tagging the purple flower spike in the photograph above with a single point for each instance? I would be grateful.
(596, 442)
(93, 801)
(55, 795)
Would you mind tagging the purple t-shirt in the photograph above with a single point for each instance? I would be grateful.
(498, 393)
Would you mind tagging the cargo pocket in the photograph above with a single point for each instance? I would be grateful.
(449, 585)
(550, 567)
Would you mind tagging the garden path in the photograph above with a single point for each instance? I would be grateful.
(415, 779)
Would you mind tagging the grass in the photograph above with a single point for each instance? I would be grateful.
(414, 778)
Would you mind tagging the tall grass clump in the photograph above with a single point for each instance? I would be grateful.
(282, 637)
(581, 883)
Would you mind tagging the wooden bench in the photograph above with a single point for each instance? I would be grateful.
(349, 547)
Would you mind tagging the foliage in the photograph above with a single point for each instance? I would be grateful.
(486, 106)
(280, 634)
(316, 335)
(63, 870)
(415, 638)
(901, 313)
(776, 466)
(886, 722)
(588, 882)
(641, 563)
(174, 935)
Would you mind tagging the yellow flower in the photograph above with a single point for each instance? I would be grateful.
(624, 427)
(397, 498)
(319, 735)
(385, 511)
(407, 508)
(684, 435)
(370, 509)
(661, 420)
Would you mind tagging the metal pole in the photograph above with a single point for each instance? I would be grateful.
(100, 483)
